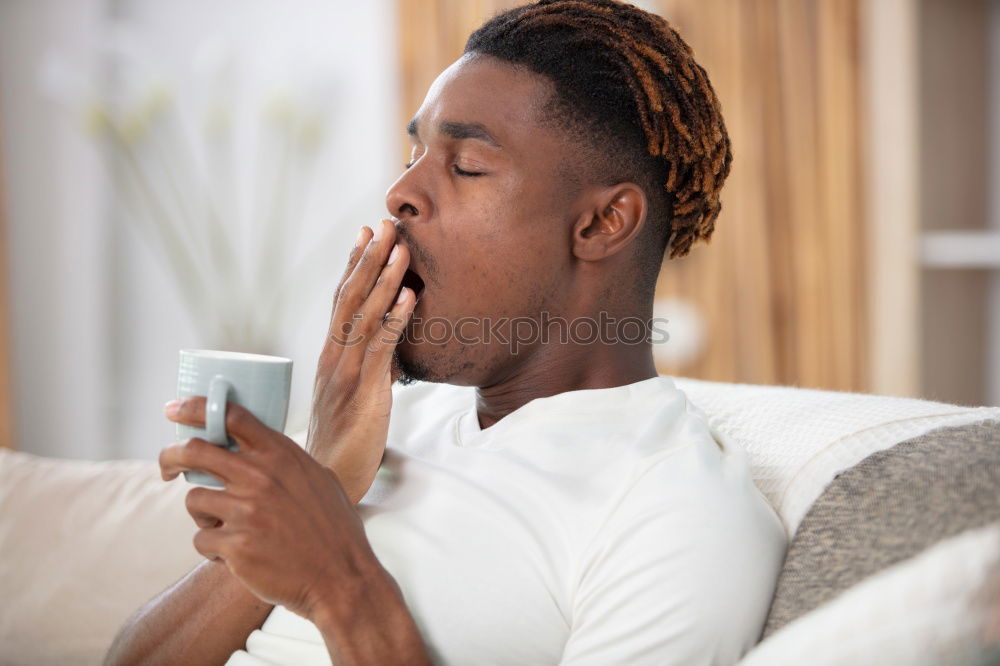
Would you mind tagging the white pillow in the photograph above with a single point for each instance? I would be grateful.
(798, 439)
(939, 607)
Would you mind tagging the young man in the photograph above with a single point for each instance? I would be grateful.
(542, 496)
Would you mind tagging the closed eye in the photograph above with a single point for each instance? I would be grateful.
(463, 172)
(458, 171)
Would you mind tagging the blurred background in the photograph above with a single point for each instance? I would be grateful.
(192, 174)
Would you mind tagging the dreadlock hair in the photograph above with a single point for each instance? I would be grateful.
(627, 88)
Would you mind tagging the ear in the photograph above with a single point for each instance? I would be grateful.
(610, 223)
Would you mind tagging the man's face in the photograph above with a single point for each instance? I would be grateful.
(489, 246)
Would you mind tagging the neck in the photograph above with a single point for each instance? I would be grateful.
(555, 368)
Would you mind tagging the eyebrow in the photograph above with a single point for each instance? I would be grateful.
(457, 130)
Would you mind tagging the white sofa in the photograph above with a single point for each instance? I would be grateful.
(892, 507)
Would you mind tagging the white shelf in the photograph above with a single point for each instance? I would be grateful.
(960, 249)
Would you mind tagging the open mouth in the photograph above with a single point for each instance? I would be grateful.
(413, 281)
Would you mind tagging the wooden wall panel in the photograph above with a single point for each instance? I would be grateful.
(432, 36)
(781, 284)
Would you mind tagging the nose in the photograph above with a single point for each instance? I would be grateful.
(407, 198)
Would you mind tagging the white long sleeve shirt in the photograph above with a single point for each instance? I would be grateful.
(588, 528)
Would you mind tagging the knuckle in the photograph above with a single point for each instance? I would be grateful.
(341, 294)
(348, 297)
(193, 499)
(236, 417)
(261, 481)
(254, 514)
(265, 460)
(368, 325)
(284, 465)
(200, 541)
(193, 448)
(368, 257)
(181, 452)
(242, 542)
(236, 412)
(245, 509)
(189, 407)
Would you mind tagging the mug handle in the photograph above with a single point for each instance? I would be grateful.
(215, 411)
(215, 427)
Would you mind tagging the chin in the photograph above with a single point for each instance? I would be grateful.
(410, 368)
(425, 362)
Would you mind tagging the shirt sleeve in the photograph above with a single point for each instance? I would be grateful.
(682, 573)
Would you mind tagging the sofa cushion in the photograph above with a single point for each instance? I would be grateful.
(82, 546)
(798, 439)
(892, 505)
(939, 607)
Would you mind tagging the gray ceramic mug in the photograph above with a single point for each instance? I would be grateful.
(259, 383)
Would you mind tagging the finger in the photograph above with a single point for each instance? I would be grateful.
(197, 454)
(378, 361)
(374, 257)
(241, 424)
(334, 332)
(211, 542)
(359, 245)
(359, 284)
(212, 508)
(375, 309)
(383, 294)
(188, 411)
(370, 318)
(247, 430)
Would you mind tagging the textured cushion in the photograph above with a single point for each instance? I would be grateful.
(82, 546)
(887, 508)
(941, 607)
(798, 439)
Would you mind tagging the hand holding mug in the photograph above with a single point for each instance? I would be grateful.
(259, 383)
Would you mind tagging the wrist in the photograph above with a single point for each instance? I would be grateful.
(366, 620)
(354, 467)
(336, 602)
